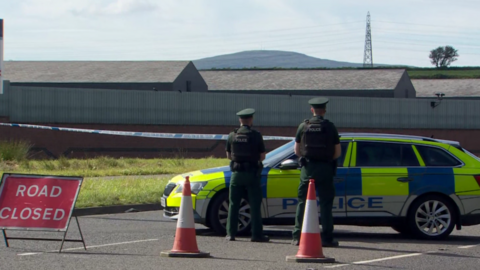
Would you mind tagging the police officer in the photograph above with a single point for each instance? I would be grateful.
(246, 150)
(317, 144)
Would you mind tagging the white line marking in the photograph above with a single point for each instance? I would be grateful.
(24, 254)
(88, 247)
(469, 246)
(335, 266)
(394, 257)
(379, 260)
(390, 258)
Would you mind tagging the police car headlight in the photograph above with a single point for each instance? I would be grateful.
(195, 187)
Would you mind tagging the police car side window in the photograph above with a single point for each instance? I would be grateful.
(377, 154)
(433, 156)
(409, 158)
(340, 160)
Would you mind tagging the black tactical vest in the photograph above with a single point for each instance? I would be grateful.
(317, 141)
(244, 146)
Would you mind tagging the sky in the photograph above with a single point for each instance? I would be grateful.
(403, 32)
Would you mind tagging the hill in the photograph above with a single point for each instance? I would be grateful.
(293, 60)
(270, 59)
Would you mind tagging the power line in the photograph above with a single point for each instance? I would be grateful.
(346, 35)
(420, 42)
(428, 25)
(448, 34)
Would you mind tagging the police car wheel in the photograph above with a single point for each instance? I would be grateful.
(218, 215)
(432, 217)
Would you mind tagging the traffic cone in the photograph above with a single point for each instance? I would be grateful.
(310, 248)
(185, 244)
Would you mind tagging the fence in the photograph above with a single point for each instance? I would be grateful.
(54, 105)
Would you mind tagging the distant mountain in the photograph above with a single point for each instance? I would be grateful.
(269, 59)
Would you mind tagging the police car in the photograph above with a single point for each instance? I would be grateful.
(416, 185)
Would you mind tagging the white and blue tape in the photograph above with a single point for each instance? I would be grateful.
(142, 134)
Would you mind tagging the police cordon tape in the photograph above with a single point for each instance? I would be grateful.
(143, 134)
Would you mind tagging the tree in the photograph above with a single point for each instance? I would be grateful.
(443, 56)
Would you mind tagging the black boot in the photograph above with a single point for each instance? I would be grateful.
(261, 239)
(332, 243)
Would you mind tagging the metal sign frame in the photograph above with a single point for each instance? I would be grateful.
(65, 230)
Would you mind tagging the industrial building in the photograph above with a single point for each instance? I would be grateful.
(118, 75)
(452, 88)
(391, 83)
(174, 97)
(183, 76)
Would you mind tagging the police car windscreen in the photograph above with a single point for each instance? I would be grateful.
(274, 155)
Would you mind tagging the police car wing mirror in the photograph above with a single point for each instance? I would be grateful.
(289, 164)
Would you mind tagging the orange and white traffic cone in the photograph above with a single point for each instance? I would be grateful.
(310, 248)
(185, 244)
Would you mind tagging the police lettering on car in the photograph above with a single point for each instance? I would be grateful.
(246, 150)
(318, 145)
(354, 202)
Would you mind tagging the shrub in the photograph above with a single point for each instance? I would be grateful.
(13, 150)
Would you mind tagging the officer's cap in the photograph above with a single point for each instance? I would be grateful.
(246, 113)
(318, 102)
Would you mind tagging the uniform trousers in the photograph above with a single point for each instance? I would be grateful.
(322, 173)
(245, 184)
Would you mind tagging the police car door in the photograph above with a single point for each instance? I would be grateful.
(378, 182)
(282, 188)
(339, 209)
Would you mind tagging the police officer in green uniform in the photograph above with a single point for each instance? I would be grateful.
(317, 144)
(246, 150)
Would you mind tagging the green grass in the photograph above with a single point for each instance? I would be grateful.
(109, 166)
(117, 191)
(13, 150)
(450, 73)
(105, 192)
(95, 192)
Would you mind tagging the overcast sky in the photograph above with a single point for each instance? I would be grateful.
(403, 32)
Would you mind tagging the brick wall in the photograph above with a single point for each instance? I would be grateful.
(49, 143)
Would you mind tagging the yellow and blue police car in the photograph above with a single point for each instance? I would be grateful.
(416, 185)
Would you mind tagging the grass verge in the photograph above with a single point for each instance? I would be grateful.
(117, 191)
(105, 166)
(96, 193)
(450, 73)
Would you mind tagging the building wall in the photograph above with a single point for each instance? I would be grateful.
(52, 144)
(405, 88)
(93, 106)
(213, 114)
(4, 104)
(191, 74)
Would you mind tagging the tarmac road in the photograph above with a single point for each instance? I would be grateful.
(135, 240)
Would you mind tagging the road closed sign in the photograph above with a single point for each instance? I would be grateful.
(37, 202)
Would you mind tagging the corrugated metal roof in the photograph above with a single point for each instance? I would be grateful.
(450, 87)
(369, 79)
(93, 71)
